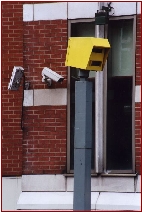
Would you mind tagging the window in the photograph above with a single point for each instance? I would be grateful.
(118, 149)
(120, 84)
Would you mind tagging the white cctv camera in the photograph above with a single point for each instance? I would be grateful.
(16, 77)
(48, 75)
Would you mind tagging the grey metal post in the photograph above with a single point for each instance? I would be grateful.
(82, 143)
(99, 32)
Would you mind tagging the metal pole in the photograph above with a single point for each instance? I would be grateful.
(82, 143)
(99, 30)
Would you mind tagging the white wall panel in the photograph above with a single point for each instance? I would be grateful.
(28, 12)
(138, 93)
(138, 184)
(74, 10)
(108, 184)
(11, 189)
(43, 183)
(50, 11)
(124, 8)
(39, 97)
(139, 7)
(28, 98)
(50, 96)
(82, 9)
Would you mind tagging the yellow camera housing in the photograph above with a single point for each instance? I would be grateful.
(88, 53)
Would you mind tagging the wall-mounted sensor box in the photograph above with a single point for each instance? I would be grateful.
(16, 77)
(88, 53)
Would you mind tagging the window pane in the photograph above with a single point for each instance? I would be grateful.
(119, 96)
(121, 48)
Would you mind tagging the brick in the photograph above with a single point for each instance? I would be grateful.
(9, 33)
(45, 147)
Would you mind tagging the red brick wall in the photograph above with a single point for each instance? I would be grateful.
(138, 136)
(44, 144)
(12, 55)
(32, 45)
(138, 51)
(138, 105)
(45, 45)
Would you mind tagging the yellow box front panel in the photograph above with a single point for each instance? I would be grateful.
(82, 50)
